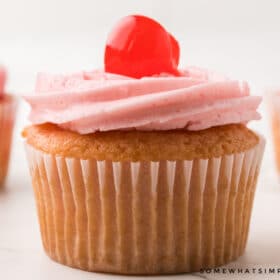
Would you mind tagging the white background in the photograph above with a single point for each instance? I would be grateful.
(240, 38)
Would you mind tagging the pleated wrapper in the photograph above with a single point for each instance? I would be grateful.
(144, 217)
(7, 118)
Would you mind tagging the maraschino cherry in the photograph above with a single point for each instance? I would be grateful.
(139, 46)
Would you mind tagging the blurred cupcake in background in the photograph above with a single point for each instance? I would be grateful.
(143, 168)
(7, 117)
(273, 99)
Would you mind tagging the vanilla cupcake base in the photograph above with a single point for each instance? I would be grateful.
(144, 217)
(7, 118)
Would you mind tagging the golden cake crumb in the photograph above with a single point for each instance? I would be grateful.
(142, 145)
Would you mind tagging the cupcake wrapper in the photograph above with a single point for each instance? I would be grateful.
(7, 118)
(144, 217)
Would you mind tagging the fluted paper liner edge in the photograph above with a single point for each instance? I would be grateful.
(145, 217)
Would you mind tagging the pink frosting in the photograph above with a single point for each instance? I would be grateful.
(2, 80)
(86, 102)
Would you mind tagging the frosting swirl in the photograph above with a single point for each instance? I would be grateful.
(2, 80)
(87, 102)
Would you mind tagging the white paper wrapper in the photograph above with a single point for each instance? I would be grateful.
(7, 117)
(144, 217)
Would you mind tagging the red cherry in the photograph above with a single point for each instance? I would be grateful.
(175, 50)
(139, 46)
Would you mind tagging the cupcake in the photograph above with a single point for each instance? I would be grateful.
(7, 117)
(143, 168)
(274, 105)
